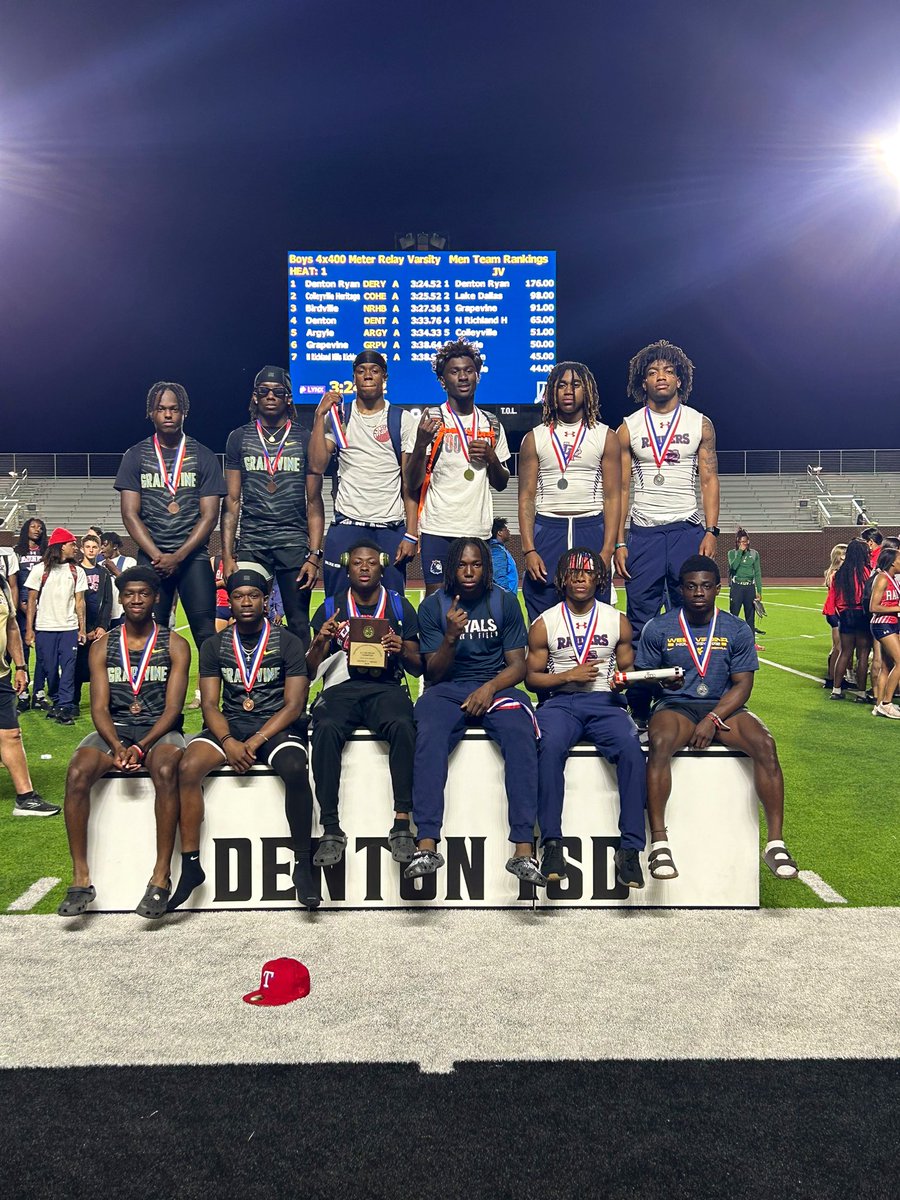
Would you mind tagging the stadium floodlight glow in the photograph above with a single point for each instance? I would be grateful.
(888, 150)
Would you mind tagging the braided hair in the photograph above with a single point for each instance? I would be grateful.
(580, 558)
(549, 413)
(176, 389)
(454, 558)
(669, 353)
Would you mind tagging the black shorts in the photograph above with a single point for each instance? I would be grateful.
(267, 750)
(94, 741)
(832, 619)
(853, 621)
(884, 629)
(286, 558)
(9, 715)
(694, 710)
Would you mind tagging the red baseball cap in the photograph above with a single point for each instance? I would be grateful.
(282, 980)
(60, 536)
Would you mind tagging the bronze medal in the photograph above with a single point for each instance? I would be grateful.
(173, 507)
(136, 707)
(271, 486)
(469, 474)
(247, 704)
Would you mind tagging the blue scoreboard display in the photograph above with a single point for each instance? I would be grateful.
(407, 305)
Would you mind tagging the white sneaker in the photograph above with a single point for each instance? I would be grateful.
(887, 710)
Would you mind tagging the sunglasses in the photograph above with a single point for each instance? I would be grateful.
(278, 392)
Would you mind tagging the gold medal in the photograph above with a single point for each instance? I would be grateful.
(468, 474)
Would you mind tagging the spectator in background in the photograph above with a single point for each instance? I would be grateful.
(505, 573)
(97, 607)
(745, 575)
(30, 549)
(837, 557)
(115, 562)
(873, 539)
(884, 605)
(845, 597)
(55, 623)
(223, 608)
(9, 569)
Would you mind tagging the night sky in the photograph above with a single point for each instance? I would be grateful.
(700, 169)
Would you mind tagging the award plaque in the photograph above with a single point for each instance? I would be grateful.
(365, 649)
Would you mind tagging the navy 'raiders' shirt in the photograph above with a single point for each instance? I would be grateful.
(201, 475)
(270, 519)
(284, 656)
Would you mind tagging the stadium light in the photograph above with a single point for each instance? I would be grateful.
(887, 149)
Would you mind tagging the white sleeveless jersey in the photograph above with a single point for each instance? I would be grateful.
(583, 493)
(562, 655)
(676, 498)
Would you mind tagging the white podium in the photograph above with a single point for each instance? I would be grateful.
(712, 816)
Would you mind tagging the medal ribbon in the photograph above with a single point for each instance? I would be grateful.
(507, 704)
(170, 481)
(136, 676)
(663, 443)
(248, 678)
(461, 430)
(337, 426)
(581, 645)
(700, 662)
(380, 608)
(563, 456)
(272, 466)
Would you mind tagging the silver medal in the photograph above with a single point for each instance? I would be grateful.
(659, 479)
(702, 688)
(562, 483)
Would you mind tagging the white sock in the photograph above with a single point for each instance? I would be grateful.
(772, 845)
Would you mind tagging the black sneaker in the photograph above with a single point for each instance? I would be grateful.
(43, 703)
(23, 703)
(63, 715)
(628, 869)
(553, 862)
(836, 696)
(35, 806)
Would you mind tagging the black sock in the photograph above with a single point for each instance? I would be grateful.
(400, 823)
(25, 795)
(333, 829)
(307, 892)
(192, 875)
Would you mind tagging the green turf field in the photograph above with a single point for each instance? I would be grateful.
(839, 817)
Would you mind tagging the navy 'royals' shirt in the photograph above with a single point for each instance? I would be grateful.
(480, 651)
(284, 656)
(270, 519)
(663, 644)
(201, 475)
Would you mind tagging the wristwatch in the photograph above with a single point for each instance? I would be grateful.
(713, 529)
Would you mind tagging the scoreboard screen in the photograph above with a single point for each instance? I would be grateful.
(407, 305)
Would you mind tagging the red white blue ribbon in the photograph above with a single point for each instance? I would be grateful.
(659, 446)
(581, 646)
(380, 608)
(701, 661)
(272, 465)
(254, 660)
(170, 481)
(461, 431)
(337, 426)
(136, 675)
(564, 454)
(507, 704)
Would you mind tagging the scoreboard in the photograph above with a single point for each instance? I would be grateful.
(407, 305)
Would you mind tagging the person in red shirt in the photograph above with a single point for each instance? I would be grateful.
(845, 598)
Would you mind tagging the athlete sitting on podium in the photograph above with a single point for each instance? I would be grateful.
(574, 650)
(259, 670)
(139, 675)
(718, 656)
(364, 685)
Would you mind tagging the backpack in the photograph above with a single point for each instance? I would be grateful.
(395, 599)
(394, 424)
(46, 576)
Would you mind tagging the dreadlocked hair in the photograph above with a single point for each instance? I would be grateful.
(549, 412)
(579, 558)
(458, 349)
(23, 545)
(179, 392)
(454, 558)
(850, 577)
(669, 353)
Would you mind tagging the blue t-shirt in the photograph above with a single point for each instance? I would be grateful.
(663, 644)
(480, 650)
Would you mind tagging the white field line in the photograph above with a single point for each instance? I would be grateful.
(801, 607)
(33, 895)
(791, 671)
(822, 889)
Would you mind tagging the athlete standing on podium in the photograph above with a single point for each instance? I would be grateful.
(569, 483)
(277, 498)
(372, 443)
(460, 454)
(665, 445)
